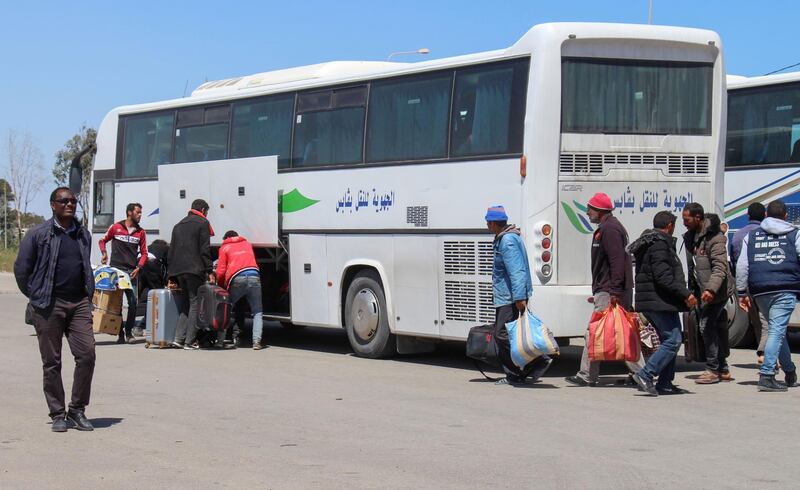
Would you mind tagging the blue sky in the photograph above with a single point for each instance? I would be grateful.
(66, 63)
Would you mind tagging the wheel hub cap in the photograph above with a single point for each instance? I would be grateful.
(366, 314)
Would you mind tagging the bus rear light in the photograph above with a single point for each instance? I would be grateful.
(546, 256)
(546, 243)
(546, 230)
(523, 166)
(546, 270)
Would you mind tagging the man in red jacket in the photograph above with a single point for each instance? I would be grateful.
(237, 271)
(128, 240)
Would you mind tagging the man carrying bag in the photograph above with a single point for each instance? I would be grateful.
(511, 286)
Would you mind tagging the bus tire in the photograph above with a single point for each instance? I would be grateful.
(291, 326)
(366, 318)
(740, 333)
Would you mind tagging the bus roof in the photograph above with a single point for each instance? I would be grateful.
(735, 82)
(541, 36)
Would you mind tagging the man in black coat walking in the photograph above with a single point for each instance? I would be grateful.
(189, 266)
(660, 294)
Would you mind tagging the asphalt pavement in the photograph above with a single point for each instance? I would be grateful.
(306, 413)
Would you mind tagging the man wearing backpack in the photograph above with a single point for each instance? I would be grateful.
(660, 294)
(769, 270)
(709, 279)
(511, 287)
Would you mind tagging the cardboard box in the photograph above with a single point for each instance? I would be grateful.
(103, 322)
(108, 301)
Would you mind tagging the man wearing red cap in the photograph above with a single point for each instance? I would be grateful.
(612, 277)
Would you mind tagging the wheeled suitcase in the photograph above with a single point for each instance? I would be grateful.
(213, 306)
(161, 318)
(693, 347)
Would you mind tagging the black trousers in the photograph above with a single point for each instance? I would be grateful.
(714, 327)
(73, 320)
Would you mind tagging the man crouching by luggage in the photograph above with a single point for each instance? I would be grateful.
(769, 268)
(612, 278)
(54, 272)
(512, 286)
(188, 267)
(660, 294)
(237, 271)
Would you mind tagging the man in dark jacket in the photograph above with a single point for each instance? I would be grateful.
(660, 294)
(54, 272)
(755, 214)
(709, 279)
(189, 266)
(612, 277)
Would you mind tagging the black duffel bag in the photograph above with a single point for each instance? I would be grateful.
(481, 347)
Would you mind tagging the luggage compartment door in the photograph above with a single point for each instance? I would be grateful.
(242, 195)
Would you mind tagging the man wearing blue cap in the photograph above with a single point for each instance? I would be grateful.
(511, 286)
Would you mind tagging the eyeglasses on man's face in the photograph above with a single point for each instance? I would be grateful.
(66, 200)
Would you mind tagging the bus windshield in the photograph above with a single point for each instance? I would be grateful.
(635, 97)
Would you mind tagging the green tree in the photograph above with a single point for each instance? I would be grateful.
(84, 137)
(6, 213)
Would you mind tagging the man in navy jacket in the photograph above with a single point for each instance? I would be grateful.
(53, 270)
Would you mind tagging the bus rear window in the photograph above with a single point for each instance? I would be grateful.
(635, 97)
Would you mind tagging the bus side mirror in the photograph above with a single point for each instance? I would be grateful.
(76, 171)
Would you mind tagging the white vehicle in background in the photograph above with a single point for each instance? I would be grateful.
(384, 172)
(762, 154)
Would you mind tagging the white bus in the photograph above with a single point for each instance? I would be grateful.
(762, 153)
(384, 172)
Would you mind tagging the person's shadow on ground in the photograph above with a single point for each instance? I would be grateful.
(105, 422)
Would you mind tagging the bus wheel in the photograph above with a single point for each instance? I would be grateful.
(366, 319)
(740, 333)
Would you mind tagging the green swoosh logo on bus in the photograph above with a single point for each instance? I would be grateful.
(574, 219)
(294, 201)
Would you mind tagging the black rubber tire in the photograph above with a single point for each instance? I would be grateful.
(740, 332)
(382, 343)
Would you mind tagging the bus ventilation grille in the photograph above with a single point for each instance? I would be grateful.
(467, 281)
(596, 163)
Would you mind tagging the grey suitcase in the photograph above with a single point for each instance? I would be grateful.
(161, 318)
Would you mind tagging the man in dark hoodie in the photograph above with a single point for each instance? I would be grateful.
(769, 270)
(612, 278)
(755, 214)
(189, 266)
(660, 294)
(710, 279)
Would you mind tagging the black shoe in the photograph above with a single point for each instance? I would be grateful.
(176, 345)
(59, 424)
(767, 383)
(80, 420)
(578, 381)
(671, 390)
(629, 381)
(791, 379)
(120, 340)
(645, 385)
(540, 366)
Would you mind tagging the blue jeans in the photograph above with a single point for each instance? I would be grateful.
(249, 287)
(777, 307)
(662, 362)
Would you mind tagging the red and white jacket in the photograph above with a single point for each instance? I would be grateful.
(235, 256)
(126, 246)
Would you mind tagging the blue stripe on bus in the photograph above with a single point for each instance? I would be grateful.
(762, 188)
